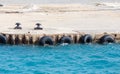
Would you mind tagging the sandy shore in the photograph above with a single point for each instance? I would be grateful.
(59, 19)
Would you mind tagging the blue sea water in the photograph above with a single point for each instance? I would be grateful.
(69, 59)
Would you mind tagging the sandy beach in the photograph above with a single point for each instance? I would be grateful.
(68, 18)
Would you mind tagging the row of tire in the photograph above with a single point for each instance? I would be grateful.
(85, 39)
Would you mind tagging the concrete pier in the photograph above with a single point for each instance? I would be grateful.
(67, 23)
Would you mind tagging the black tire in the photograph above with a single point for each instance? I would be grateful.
(106, 39)
(86, 39)
(46, 40)
(3, 39)
(65, 39)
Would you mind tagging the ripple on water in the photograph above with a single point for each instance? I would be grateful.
(69, 59)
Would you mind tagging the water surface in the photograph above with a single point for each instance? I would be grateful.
(54, 1)
(70, 59)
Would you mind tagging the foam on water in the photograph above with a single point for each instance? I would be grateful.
(54, 1)
(116, 5)
(30, 8)
(70, 59)
(31, 5)
(109, 5)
